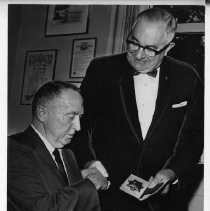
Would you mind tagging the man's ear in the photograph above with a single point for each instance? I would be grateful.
(172, 44)
(41, 113)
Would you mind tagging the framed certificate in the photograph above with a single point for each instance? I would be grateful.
(83, 52)
(39, 69)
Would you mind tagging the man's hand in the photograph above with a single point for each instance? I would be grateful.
(95, 177)
(98, 165)
(86, 172)
(164, 176)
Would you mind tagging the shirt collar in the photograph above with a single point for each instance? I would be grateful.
(145, 76)
(49, 147)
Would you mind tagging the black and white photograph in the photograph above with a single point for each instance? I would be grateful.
(106, 106)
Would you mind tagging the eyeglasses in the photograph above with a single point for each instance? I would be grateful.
(134, 47)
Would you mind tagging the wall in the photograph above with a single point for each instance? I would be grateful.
(30, 36)
(14, 18)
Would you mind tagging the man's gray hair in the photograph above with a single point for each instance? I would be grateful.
(48, 92)
(156, 14)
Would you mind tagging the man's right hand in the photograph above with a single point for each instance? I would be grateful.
(95, 177)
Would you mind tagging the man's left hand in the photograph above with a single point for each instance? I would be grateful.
(96, 177)
(98, 165)
(164, 176)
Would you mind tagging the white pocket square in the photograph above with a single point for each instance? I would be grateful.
(184, 103)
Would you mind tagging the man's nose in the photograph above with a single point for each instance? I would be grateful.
(140, 53)
(76, 123)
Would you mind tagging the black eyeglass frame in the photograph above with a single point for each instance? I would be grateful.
(140, 46)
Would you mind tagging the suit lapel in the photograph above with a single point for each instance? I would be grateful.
(127, 93)
(43, 157)
(164, 93)
(128, 99)
(47, 164)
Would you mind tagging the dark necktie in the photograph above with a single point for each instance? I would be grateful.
(60, 166)
(152, 73)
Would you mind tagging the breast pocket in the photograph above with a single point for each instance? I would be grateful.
(179, 105)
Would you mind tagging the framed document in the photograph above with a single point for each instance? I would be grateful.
(39, 69)
(66, 20)
(83, 51)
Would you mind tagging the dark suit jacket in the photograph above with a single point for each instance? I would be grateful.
(175, 137)
(34, 182)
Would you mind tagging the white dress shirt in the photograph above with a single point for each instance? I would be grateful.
(50, 148)
(146, 88)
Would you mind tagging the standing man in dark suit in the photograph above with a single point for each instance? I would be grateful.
(42, 171)
(143, 115)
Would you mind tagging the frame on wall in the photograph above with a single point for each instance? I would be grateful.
(83, 51)
(39, 69)
(66, 20)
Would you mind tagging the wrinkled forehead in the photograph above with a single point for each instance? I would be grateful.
(68, 98)
(143, 22)
(71, 97)
(149, 31)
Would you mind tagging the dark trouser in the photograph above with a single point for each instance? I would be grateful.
(119, 201)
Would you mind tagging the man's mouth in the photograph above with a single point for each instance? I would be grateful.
(140, 61)
(70, 136)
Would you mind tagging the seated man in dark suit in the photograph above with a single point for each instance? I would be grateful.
(42, 171)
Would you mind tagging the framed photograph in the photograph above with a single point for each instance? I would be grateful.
(39, 69)
(83, 51)
(66, 20)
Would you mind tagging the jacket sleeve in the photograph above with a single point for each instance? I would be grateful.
(81, 144)
(28, 188)
(189, 147)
